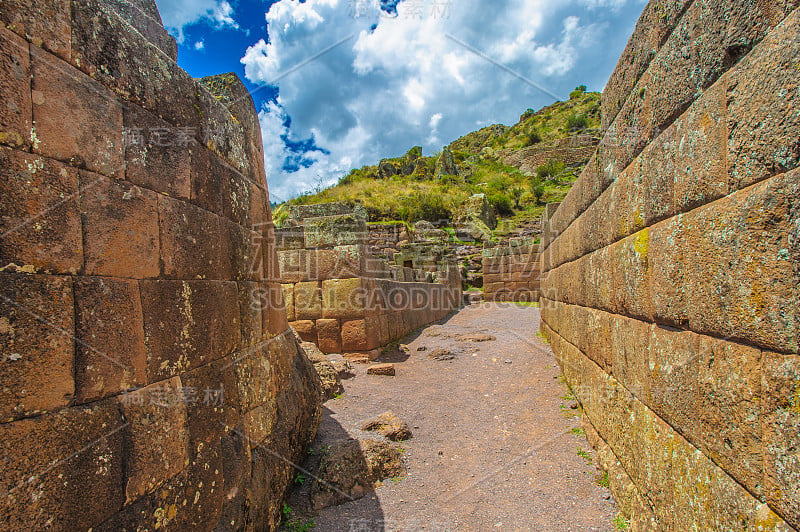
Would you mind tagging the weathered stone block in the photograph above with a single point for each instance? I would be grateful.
(36, 321)
(77, 120)
(308, 301)
(329, 335)
(45, 23)
(667, 262)
(730, 409)
(357, 337)
(219, 188)
(331, 231)
(288, 301)
(225, 135)
(120, 228)
(274, 315)
(740, 265)
(15, 73)
(110, 354)
(630, 262)
(763, 100)
(156, 436)
(673, 387)
(192, 245)
(343, 298)
(40, 230)
(341, 262)
(630, 341)
(781, 426)
(306, 329)
(156, 156)
(242, 250)
(188, 324)
(54, 464)
(251, 306)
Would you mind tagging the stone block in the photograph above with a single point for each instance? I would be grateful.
(156, 436)
(242, 250)
(274, 314)
(217, 187)
(332, 231)
(156, 157)
(308, 301)
(306, 329)
(192, 243)
(15, 75)
(263, 369)
(740, 283)
(138, 71)
(295, 266)
(188, 324)
(45, 23)
(730, 409)
(329, 334)
(781, 429)
(667, 262)
(358, 336)
(343, 298)
(36, 323)
(120, 228)
(40, 230)
(630, 345)
(381, 369)
(341, 262)
(225, 135)
(77, 120)
(251, 306)
(288, 301)
(762, 105)
(55, 467)
(110, 354)
(673, 388)
(631, 275)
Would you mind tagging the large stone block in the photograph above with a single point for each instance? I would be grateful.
(225, 135)
(45, 23)
(157, 155)
(781, 426)
(40, 224)
(107, 48)
(274, 314)
(120, 228)
(156, 436)
(15, 74)
(219, 188)
(77, 120)
(192, 244)
(740, 262)
(631, 274)
(667, 261)
(251, 307)
(64, 470)
(331, 231)
(306, 329)
(36, 326)
(110, 354)
(188, 324)
(288, 301)
(242, 250)
(763, 102)
(308, 301)
(730, 409)
(344, 298)
(330, 338)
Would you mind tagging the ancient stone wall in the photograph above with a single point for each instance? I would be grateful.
(511, 271)
(149, 377)
(347, 300)
(385, 238)
(573, 151)
(671, 283)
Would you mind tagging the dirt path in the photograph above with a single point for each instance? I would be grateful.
(493, 444)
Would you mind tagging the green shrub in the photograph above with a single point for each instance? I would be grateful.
(534, 137)
(578, 92)
(550, 170)
(577, 123)
(424, 206)
(501, 203)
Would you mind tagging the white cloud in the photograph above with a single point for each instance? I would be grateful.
(390, 82)
(199, 45)
(177, 14)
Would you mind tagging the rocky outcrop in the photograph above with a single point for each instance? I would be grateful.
(670, 271)
(150, 380)
(476, 219)
(445, 164)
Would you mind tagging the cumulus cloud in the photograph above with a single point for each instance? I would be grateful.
(365, 83)
(177, 14)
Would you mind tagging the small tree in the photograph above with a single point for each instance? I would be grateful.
(578, 92)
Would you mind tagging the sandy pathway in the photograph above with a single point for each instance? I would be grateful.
(493, 445)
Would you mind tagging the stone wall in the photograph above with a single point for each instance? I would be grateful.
(150, 380)
(385, 238)
(511, 271)
(573, 151)
(671, 277)
(347, 300)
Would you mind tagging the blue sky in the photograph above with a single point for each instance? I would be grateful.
(344, 83)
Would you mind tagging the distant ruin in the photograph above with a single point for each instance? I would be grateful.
(347, 300)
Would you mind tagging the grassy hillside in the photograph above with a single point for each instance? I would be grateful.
(407, 188)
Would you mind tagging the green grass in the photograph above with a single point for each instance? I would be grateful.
(602, 479)
(620, 522)
(534, 304)
(577, 431)
(585, 455)
(414, 193)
